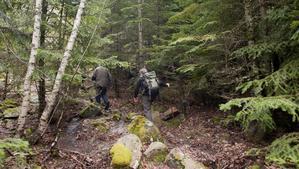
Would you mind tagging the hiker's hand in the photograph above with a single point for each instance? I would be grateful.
(167, 84)
(135, 100)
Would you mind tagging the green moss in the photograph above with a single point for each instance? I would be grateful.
(121, 156)
(2, 157)
(285, 151)
(144, 129)
(175, 122)
(137, 125)
(160, 157)
(17, 146)
(8, 103)
(254, 166)
(11, 112)
(90, 110)
(254, 152)
(100, 124)
(130, 116)
(116, 116)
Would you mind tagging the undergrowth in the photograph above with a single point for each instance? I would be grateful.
(260, 109)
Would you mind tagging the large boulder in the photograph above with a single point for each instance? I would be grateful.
(156, 152)
(176, 159)
(144, 129)
(121, 156)
(255, 131)
(126, 152)
(90, 110)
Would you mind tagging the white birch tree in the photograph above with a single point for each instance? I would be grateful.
(57, 83)
(31, 65)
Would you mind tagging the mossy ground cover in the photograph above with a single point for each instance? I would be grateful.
(17, 146)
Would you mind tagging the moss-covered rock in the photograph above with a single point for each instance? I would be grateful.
(100, 124)
(144, 129)
(176, 159)
(133, 144)
(130, 116)
(8, 103)
(156, 152)
(10, 113)
(121, 156)
(116, 116)
(90, 110)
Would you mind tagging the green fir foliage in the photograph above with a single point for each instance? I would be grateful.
(260, 109)
(285, 151)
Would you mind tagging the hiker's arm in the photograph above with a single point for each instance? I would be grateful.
(138, 85)
(109, 78)
(163, 84)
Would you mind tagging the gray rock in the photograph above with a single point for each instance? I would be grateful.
(133, 143)
(91, 110)
(11, 113)
(176, 159)
(156, 151)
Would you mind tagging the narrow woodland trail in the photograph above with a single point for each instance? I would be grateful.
(82, 145)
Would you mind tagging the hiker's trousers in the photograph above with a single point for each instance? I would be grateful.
(102, 95)
(147, 107)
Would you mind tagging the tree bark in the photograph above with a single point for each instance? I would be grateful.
(61, 27)
(41, 62)
(31, 65)
(5, 85)
(140, 59)
(52, 98)
(249, 21)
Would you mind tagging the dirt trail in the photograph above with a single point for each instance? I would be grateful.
(82, 146)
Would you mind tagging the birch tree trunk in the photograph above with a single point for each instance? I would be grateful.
(67, 53)
(140, 60)
(31, 65)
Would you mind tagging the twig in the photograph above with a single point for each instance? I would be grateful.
(83, 165)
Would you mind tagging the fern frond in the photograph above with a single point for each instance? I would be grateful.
(283, 81)
(260, 109)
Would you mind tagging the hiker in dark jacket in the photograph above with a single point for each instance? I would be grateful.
(102, 82)
(147, 96)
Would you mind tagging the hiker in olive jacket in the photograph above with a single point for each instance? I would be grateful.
(102, 81)
(147, 96)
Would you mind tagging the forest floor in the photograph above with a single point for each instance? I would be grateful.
(199, 133)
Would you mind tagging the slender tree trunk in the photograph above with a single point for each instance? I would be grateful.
(31, 65)
(5, 85)
(41, 62)
(61, 36)
(158, 18)
(52, 98)
(140, 59)
(249, 21)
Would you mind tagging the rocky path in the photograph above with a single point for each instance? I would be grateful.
(85, 143)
